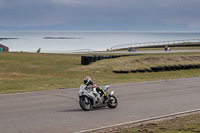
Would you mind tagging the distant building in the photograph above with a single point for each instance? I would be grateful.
(3, 48)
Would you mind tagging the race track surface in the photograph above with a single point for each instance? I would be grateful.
(58, 111)
(137, 52)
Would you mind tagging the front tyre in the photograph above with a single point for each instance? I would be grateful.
(112, 103)
(85, 103)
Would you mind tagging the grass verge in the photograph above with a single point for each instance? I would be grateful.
(24, 72)
(187, 123)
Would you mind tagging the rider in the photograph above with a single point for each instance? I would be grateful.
(89, 82)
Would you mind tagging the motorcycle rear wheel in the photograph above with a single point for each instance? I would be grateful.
(85, 103)
(112, 103)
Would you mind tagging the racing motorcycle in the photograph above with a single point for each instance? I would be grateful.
(89, 98)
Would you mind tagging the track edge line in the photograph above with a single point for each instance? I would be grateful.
(139, 121)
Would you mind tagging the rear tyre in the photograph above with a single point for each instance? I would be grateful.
(112, 103)
(85, 103)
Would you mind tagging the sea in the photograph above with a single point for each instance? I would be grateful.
(83, 41)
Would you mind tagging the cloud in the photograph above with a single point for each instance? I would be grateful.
(1, 3)
(183, 12)
(99, 12)
(28, 13)
(70, 2)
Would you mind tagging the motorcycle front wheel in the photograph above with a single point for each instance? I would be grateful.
(112, 103)
(85, 103)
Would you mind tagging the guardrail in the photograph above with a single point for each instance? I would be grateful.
(153, 43)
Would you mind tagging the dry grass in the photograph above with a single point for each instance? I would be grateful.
(21, 72)
(143, 62)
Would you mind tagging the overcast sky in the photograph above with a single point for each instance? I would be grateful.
(132, 15)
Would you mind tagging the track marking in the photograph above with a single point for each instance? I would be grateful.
(139, 121)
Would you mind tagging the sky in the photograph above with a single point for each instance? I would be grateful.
(102, 15)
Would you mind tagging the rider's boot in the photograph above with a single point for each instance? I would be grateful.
(105, 98)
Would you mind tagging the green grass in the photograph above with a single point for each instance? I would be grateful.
(146, 61)
(24, 72)
(185, 124)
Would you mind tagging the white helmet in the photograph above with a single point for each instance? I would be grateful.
(87, 80)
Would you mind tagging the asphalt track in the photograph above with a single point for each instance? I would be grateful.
(126, 52)
(58, 111)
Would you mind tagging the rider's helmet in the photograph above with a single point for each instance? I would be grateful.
(87, 80)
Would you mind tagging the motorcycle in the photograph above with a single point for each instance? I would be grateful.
(89, 98)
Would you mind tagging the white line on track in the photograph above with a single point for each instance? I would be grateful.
(142, 120)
